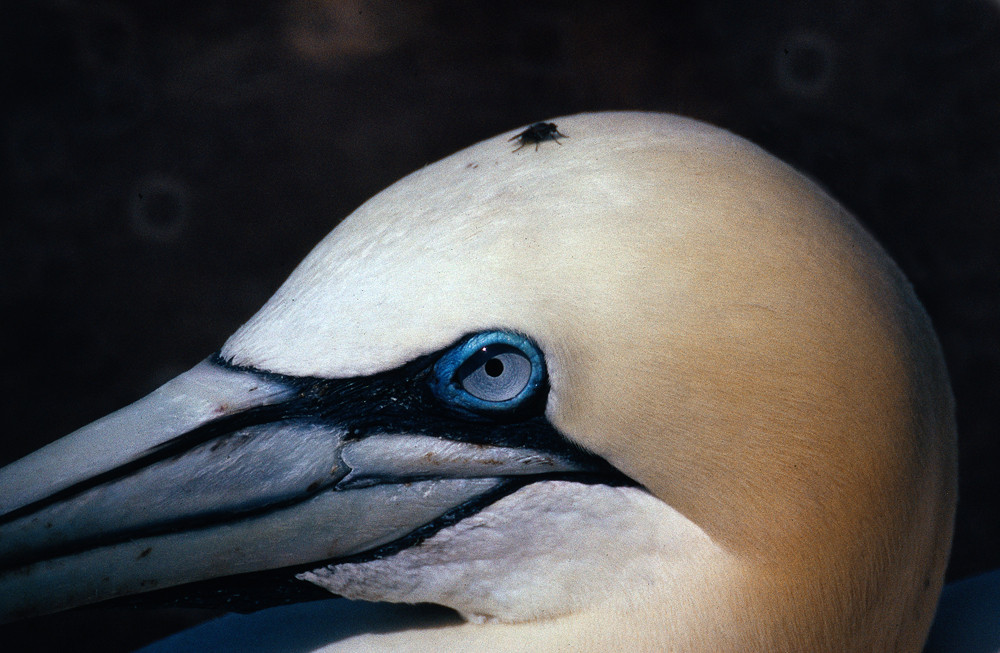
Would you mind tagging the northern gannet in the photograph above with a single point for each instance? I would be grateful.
(648, 390)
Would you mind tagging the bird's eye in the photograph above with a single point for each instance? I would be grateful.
(492, 371)
(496, 373)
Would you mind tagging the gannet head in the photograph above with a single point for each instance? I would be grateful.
(651, 374)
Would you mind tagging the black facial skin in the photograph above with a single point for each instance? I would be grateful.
(395, 401)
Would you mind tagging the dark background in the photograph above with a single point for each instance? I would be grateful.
(167, 164)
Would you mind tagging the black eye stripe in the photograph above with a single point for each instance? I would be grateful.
(403, 400)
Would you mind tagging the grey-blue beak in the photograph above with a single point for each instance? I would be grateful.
(227, 471)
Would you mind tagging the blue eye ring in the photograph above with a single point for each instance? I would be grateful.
(458, 376)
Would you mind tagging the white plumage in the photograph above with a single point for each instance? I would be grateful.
(713, 326)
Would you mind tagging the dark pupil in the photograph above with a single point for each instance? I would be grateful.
(494, 367)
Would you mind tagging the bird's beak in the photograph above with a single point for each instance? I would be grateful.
(226, 471)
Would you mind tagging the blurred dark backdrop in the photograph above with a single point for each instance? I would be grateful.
(167, 164)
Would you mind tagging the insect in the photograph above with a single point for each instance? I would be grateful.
(536, 133)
